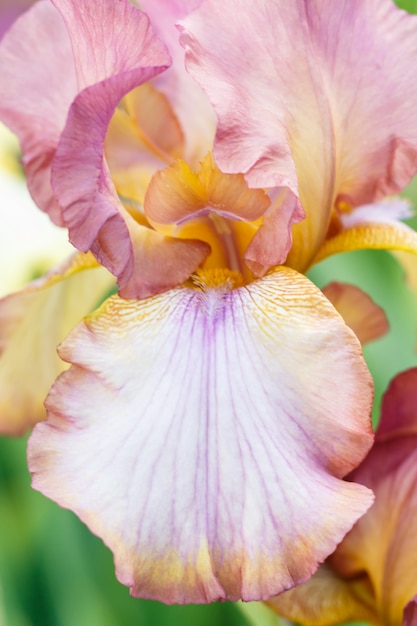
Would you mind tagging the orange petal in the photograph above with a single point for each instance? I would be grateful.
(177, 194)
(324, 600)
(367, 320)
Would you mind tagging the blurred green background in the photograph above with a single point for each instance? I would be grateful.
(54, 572)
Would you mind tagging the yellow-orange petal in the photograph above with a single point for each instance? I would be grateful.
(370, 237)
(207, 205)
(177, 193)
(367, 320)
(33, 322)
(325, 600)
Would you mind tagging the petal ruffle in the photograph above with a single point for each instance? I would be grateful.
(295, 104)
(91, 208)
(219, 439)
(367, 320)
(32, 323)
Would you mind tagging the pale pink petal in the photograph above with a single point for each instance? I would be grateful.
(90, 205)
(37, 86)
(367, 320)
(111, 39)
(298, 85)
(32, 323)
(190, 103)
(203, 433)
(9, 11)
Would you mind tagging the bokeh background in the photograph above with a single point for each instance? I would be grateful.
(53, 571)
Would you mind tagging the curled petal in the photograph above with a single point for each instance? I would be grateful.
(219, 437)
(177, 194)
(32, 323)
(367, 320)
(90, 206)
(375, 236)
(272, 242)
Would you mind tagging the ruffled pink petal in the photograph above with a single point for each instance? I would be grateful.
(203, 434)
(110, 39)
(90, 205)
(296, 89)
(272, 242)
(37, 86)
(33, 322)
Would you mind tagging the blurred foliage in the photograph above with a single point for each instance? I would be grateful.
(54, 572)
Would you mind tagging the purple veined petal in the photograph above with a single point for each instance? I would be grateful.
(203, 435)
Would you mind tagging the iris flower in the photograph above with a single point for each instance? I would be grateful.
(212, 408)
(371, 575)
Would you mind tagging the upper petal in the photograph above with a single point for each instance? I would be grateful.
(295, 103)
(37, 86)
(219, 439)
(189, 101)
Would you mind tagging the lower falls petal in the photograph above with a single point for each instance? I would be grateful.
(203, 434)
